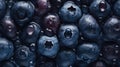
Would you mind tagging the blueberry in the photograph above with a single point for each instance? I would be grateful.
(112, 28)
(66, 59)
(22, 12)
(100, 9)
(51, 24)
(30, 33)
(2, 8)
(110, 51)
(24, 57)
(117, 8)
(70, 12)
(88, 52)
(68, 35)
(42, 6)
(6, 49)
(89, 27)
(8, 26)
(48, 46)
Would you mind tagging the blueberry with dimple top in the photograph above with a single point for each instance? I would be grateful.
(112, 28)
(22, 12)
(89, 27)
(24, 57)
(6, 49)
(116, 8)
(68, 35)
(66, 58)
(88, 52)
(31, 33)
(48, 46)
(51, 24)
(100, 9)
(70, 12)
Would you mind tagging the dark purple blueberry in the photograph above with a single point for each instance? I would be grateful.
(48, 46)
(68, 35)
(89, 27)
(110, 51)
(24, 57)
(22, 12)
(116, 8)
(112, 28)
(30, 33)
(42, 6)
(100, 9)
(6, 49)
(2, 8)
(66, 59)
(51, 24)
(8, 27)
(70, 12)
(88, 52)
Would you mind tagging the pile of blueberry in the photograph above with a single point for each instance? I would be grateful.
(59, 33)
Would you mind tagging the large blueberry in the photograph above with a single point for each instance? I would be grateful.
(30, 33)
(117, 8)
(112, 28)
(70, 12)
(48, 46)
(88, 52)
(24, 57)
(66, 58)
(22, 12)
(68, 35)
(89, 27)
(100, 9)
(6, 49)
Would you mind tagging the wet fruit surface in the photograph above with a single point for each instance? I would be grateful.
(59, 33)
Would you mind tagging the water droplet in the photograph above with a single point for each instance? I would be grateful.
(30, 29)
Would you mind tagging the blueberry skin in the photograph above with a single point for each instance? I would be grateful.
(22, 12)
(2, 8)
(116, 8)
(30, 33)
(88, 52)
(70, 12)
(48, 46)
(68, 35)
(89, 27)
(6, 49)
(66, 58)
(112, 28)
(100, 9)
(24, 57)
